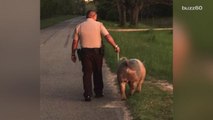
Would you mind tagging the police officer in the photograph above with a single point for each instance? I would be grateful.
(89, 33)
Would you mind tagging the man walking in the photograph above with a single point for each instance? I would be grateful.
(89, 34)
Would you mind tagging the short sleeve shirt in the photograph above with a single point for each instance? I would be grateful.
(89, 33)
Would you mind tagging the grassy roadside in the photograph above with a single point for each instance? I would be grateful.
(54, 20)
(114, 25)
(146, 23)
(151, 104)
(154, 48)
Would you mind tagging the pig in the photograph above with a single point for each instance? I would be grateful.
(133, 72)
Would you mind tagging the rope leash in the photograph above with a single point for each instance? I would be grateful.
(118, 53)
(118, 57)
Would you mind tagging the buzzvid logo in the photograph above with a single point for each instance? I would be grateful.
(192, 8)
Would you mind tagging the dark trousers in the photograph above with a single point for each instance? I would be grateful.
(92, 60)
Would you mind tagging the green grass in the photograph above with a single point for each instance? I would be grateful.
(159, 22)
(145, 23)
(151, 104)
(153, 48)
(54, 20)
(115, 25)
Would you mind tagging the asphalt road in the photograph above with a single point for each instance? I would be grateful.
(61, 82)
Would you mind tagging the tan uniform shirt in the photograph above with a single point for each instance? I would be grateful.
(89, 33)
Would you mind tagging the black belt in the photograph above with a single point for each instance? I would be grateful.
(90, 48)
(96, 50)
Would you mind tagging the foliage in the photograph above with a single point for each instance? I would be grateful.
(157, 10)
(51, 8)
(54, 20)
(107, 10)
(132, 10)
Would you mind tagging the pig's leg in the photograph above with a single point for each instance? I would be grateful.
(123, 90)
(133, 86)
(140, 84)
(143, 73)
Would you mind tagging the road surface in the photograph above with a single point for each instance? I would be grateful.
(61, 92)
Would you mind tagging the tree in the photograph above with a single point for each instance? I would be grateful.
(107, 10)
(134, 7)
(127, 10)
(50, 8)
(121, 6)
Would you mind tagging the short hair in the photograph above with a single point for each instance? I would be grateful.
(91, 13)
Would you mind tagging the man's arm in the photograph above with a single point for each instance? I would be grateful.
(74, 48)
(75, 44)
(111, 41)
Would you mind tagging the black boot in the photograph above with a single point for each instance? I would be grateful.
(87, 98)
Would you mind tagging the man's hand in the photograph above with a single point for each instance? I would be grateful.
(117, 49)
(73, 58)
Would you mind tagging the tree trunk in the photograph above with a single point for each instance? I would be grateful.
(134, 15)
(122, 12)
(135, 10)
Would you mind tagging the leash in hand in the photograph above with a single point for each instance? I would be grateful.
(118, 57)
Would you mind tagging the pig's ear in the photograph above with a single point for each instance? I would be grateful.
(123, 58)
